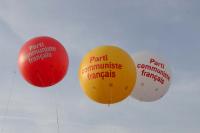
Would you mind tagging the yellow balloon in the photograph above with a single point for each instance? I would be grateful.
(107, 74)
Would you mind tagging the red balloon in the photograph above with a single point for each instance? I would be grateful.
(43, 61)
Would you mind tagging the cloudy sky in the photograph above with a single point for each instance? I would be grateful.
(166, 27)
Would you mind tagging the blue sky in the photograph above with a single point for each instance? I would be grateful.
(169, 28)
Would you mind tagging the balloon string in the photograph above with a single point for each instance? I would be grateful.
(8, 102)
(57, 118)
(39, 77)
(111, 95)
(55, 101)
(57, 113)
(56, 104)
(110, 101)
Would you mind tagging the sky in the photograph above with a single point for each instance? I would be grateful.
(169, 28)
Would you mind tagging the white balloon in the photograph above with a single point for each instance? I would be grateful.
(153, 77)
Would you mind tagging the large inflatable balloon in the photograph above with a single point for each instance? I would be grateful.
(43, 61)
(153, 77)
(107, 74)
